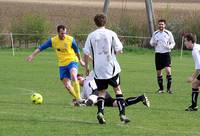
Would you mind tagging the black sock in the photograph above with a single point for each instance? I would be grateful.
(160, 82)
(100, 104)
(195, 93)
(133, 100)
(169, 81)
(121, 104)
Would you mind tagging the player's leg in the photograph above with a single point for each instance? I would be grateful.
(65, 78)
(102, 85)
(160, 81)
(115, 83)
(67, 84)
(133, 100)
(73, 67)
(167, 63)
(159, 67)
(195, 93)
(109, 101)
(169, 79)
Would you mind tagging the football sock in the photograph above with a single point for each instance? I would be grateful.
(160, 82)
(100, 104)
(76, 87)
(195, 93)
(72, 92)
(133, 100)
(121, 104)
(169, 81)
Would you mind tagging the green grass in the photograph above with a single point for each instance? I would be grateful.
(56, 117)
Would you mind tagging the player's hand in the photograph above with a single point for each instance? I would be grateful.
(87, 71)
(30, 58)
(190, 79)
(82, 63)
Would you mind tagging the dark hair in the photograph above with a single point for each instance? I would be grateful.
(78, 75)
(190, 37)
(162, 20)
(60, 27)
(100, 20)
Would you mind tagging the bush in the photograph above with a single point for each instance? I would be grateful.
(82, 29)
(37, 28)
(2, 37)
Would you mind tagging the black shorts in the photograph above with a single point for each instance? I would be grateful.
(102, 84)
(108, 99)
(198, 77)
(162, 60)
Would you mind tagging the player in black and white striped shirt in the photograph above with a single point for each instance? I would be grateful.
(163, 41)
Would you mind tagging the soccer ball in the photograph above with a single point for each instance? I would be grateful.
(36, 98)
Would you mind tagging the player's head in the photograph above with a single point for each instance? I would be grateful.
(80, 79)
(189, 40)
(61, 29)
(100, 20)
(161, 24)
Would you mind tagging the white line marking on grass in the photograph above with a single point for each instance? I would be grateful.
(28, 91)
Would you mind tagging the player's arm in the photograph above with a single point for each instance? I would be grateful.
(77, 51)
(194, 76)
(153, 41)
(197, 67)
(87, 54)
(118, 47)
(42, 47)
(171, 41)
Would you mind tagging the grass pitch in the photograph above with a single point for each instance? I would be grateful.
(56, 116)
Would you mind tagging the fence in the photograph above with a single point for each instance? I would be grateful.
(9, 40)
(16, 40)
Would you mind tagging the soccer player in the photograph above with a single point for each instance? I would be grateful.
(195, 78)
(163, 41)
(89, 92)
(103, 45)
(68, 55)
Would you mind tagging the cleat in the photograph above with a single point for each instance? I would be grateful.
(169, 91)
(145, 101)
(191, 108)
(124, 119)
(78, 103)
(160, 91)
(100, 118)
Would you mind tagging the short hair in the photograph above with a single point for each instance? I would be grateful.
(78, 75)
(190, 37)
(162, 20)
(100, 20)
(60, 27)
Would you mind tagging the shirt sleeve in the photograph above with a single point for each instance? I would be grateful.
(75, 46)
(87, 47)
(171, 41)
(117, 43)
(45, 45)
(197, 59)
(153, 40)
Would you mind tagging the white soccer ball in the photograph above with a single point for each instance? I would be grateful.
(36, 98)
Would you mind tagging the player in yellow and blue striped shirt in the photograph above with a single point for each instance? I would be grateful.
(68, 55)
